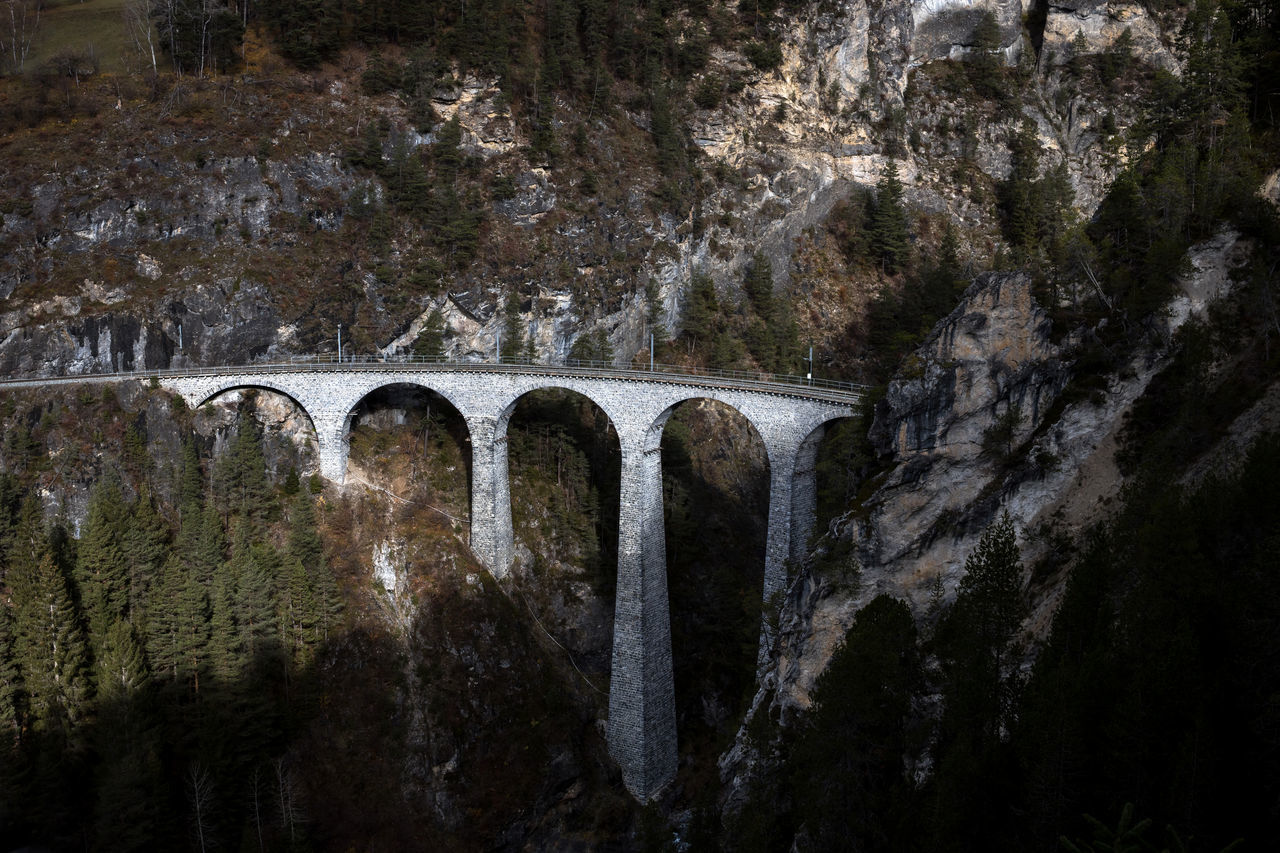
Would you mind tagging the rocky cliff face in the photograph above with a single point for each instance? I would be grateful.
(975, 425)
(207, 225)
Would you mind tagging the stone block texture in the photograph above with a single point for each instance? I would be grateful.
(789, 419)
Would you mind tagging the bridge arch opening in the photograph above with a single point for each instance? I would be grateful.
(715, 471)
(842, 457)
(281, 415)
(564, 468)
(410, 442)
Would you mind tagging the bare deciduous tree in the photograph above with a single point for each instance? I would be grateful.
(291, 815)
(137, 23)
(18, 30)
(200, 792)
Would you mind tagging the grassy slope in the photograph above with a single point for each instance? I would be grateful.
(94, 27)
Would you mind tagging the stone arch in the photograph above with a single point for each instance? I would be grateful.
(584, 390)
(334, 409)
(362, 392)
(565, 450)
(499, 506)
(274, 387)
(692, 395)
(716, 508)
(804, 488)
(412, 393)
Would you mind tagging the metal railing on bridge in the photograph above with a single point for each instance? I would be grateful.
(759, 380)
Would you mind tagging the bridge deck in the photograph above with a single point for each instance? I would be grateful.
(768, 383)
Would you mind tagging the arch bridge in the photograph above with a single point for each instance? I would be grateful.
(789, 416)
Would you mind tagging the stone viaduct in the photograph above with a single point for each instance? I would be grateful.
(790, 419)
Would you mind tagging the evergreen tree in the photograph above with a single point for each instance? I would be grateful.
(985, 59)
(11, 727)
(305, 544)
(849, 779)
(759, 284)
(21, 448)
(226, 643)
(430, 341)
(190, 482)
(298, 610)
(240, 476)
(176, 619)
(989, 607)
(193, 613)
(306, 594)
(10, 690)
(786, 339)
(890, 238)
(701, 309)
(102, 567)
(513, 338)
(593, 347)
(128, 765)
(163, 622)
(51, 649)
(146, 542)
(255, 591)
(211, 549)
(975, 642)
(292, 482)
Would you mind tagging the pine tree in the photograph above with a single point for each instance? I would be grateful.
(102, 567)
(240, 476)
(701, 309)
(890, 237)
(985, 60)
(128, 768)
(759, 284)
(786, 339)
(446, 153)
(312, 588)
(975, 642)
(299, 610)
(305, 544)
(51, 649)
(122, 665)
(146, 543)
(163, 622)
(12, 790)
(847, 763)
(193, 612)
(306, 548)
(430, 341)
(990, 600)
(191, 480)
(255, 591)
(174, 599)
(226, 645)
(513, 338)
(328, 602)
(211, 549)
(10, 689)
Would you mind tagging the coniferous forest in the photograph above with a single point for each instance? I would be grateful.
(163, 652)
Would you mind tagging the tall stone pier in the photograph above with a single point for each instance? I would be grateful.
(642, 701)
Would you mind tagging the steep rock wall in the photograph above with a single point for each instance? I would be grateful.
(940, 423)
